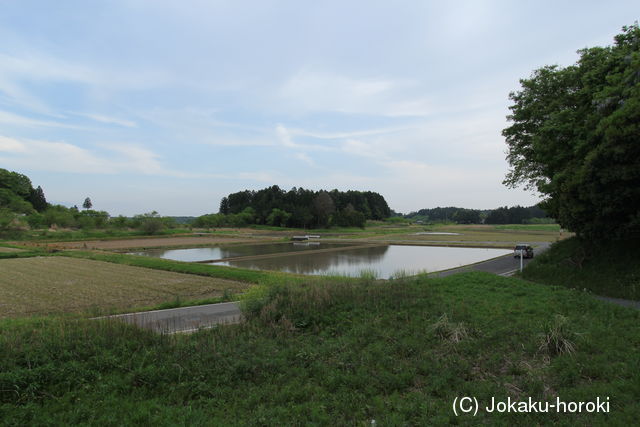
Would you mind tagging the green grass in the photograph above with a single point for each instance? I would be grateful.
(242, 275)
(529, 227)
(334, 353)
(608, 269)
(71, 235)
(23, 254)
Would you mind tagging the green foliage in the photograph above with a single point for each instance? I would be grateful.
(87, 203)
(502, 215)
(59, 216)
(336, 353)
(575, 138)
(249, 276)
(467, 216)
(514, 215)
(278, 217)
(306, 208)
(18, 195)
(16, 183)
(11, 224)
(37, 199)
(150, 223)
(608, 268)
(349, 217)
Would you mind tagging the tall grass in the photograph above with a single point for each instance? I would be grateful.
(339, 352)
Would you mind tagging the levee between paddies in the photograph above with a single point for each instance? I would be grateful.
(42, 285)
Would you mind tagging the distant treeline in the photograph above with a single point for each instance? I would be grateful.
(23, 208)
(502, 215)
(298, 207)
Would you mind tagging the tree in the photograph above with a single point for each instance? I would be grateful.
(466, 216)
(37, 199)
(224, 206)
(150, 222)
(278, 217)
(87, 204)
(575, 137)
(323, 206)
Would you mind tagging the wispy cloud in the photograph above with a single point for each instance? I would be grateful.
(347, 134)
(60, 156)
(109, 120)
(303, 157)
(328, 91)
(19, 120)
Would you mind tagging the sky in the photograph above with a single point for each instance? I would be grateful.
(171, 105)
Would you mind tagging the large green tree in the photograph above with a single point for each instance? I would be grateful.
(575, 137)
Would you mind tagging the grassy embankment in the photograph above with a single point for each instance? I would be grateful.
(335, 353)
(608, 269)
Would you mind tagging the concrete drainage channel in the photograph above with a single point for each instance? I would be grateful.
(183, 319)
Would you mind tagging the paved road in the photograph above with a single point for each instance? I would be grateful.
(190, 319)
(185, 319)
(505, 265)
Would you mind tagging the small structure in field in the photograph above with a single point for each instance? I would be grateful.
(305, 237)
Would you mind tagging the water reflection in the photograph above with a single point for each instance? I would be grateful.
(385, 261)
(229, 251)
(317, 263)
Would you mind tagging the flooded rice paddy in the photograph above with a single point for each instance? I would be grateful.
(316, 258)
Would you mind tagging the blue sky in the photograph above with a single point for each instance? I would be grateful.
(169, 106)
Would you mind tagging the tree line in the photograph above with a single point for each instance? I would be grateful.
(298, 208)
(502, 215)
(23, 207)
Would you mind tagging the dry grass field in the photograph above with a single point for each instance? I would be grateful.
(30, 286)
(5, 249)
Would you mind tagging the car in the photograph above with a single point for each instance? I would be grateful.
(525, 250)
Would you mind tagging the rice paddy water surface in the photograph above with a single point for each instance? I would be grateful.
(383, 260)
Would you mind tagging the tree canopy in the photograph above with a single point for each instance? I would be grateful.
(18, 195)
(303, 208)
(575, 137)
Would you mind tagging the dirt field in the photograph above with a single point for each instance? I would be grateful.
(151, 242)
(58, 284)
(4, 249)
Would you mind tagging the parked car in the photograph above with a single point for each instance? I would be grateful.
(525, 250)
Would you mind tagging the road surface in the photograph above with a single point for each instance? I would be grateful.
(184, 319)
(506, 265)
(190, 319)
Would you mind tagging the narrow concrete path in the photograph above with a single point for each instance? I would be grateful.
(184, 319)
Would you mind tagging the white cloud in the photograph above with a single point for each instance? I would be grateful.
(58, 156)
(110, 120)
(347, 134)
(285, 137)
(305, 158)
(18, 120)
(11, 145)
